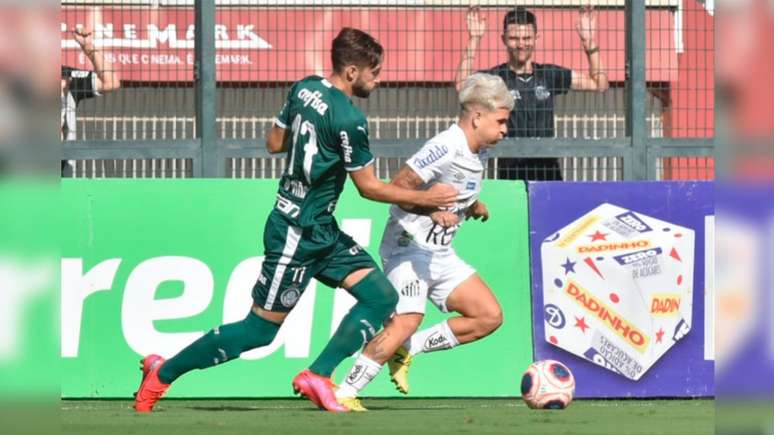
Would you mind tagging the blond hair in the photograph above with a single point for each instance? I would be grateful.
(485, 90)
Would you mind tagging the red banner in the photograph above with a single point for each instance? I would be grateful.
(284, 44)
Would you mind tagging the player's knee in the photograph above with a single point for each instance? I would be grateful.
(391, 298)
(387, 300)
(253, 332)
(376, 292)
(489, 322)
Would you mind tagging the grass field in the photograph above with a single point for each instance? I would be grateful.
(390, 416)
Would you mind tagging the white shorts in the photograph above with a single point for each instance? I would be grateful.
(418, 276)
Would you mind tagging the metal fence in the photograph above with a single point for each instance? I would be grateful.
(200, 87)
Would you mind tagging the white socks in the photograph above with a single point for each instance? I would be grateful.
(436, 337)
(360, 375)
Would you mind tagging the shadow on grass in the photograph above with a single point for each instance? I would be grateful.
(231, 408)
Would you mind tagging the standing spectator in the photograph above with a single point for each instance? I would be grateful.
(533, 85)
(78, 85)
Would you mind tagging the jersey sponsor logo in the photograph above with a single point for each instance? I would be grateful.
(637, 256)
(665, 304)
(471, 185)
(612, 320)
(542, 93)
(287, 207)
(289, 297)
(632, 221)
(615, 246)
(313, 99)
(433, 155)
(346, 147)
(554, 316)
(295, 188)
(578, 230)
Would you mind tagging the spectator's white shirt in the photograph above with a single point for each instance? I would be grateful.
(446, 158)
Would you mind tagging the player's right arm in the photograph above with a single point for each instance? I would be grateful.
(476, 28)
(276, 139)
(409, 179)
(358, 161)
(439, 195)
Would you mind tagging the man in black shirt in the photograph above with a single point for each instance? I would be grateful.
(533, 85)
(78, 85)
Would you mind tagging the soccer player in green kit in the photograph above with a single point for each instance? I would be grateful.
(326, 138)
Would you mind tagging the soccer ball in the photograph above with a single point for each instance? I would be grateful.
(547, 384)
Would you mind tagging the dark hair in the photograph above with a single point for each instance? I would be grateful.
(355, 47)
(519, 15)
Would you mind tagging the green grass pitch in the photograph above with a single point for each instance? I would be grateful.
(389, 416)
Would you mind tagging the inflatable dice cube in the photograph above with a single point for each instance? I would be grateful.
(618, 288)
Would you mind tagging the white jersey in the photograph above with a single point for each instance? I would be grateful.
(446, 158)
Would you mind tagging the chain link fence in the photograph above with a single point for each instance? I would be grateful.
(258, 48)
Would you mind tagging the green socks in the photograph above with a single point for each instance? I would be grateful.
(221, 344)
(376, 300)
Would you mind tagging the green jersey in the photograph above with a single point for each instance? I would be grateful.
(328, 137)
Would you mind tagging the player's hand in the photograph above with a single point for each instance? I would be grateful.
(84, 39)
(476, 23)
(440, 195)
(444, 218)
(586, 25)
(478, 211)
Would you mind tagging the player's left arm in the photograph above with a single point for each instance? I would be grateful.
(477, 210)
(596, 77)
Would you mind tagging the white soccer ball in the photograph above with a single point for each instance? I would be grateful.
(547, 384)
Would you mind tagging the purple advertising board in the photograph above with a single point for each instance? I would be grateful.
(618, 285)
(745, 316)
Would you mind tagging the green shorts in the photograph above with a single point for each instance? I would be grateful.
(294, 255)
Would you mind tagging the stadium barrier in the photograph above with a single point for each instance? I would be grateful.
(149, 265)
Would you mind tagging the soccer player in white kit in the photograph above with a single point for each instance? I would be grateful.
(416, 249)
